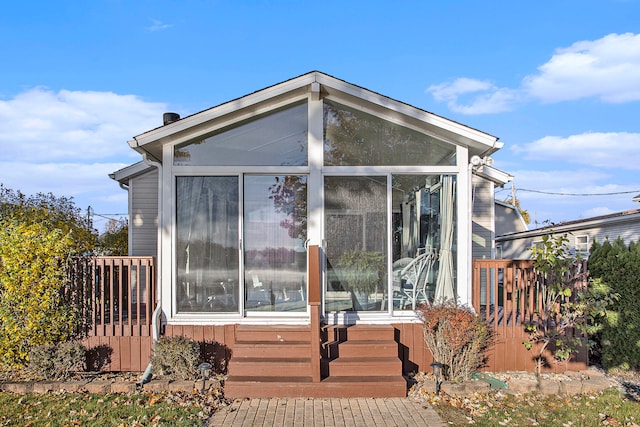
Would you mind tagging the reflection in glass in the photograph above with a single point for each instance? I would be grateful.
(424, 228)
(356, 138)
(356, 242)
(275, 229)
(207, 243)
(278, 139)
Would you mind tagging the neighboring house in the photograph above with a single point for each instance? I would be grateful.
(231, 199)
(508, 220)
(581, 234)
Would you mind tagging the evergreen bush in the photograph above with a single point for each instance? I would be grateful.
(617, 266)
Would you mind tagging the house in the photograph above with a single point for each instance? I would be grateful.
(581, 234)
(312, 214)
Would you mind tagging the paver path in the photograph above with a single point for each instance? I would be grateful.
(363, 412)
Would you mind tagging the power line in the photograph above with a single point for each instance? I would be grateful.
(552, 193)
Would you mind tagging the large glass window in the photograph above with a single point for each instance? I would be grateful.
(356, 242)
(207, 243)
(356, 138)
(423, 224)
(277, 139)
(275, 230)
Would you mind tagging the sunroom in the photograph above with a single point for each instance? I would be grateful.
(381, 187)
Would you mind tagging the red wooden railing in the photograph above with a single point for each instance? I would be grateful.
(506, 293)
(116, 296)
(117, 293)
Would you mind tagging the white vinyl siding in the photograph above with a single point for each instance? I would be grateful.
(483, 224)
(143, 222)
(627, 228)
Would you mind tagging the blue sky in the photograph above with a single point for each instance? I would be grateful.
(557, 81)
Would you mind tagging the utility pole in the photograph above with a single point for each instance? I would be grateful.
(89, 222)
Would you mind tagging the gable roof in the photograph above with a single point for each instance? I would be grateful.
(298, 88)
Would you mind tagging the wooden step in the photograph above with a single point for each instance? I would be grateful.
(280, 333)
(271, 349)
(361, 333)
(258, 387)
(365, 367)
(376, 348)
(270, 367)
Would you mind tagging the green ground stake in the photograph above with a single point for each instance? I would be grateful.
(494, 383)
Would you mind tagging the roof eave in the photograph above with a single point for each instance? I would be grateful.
(498, 177)
(568, 227)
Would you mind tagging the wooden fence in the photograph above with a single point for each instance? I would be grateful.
(117, 296)
(506, 293)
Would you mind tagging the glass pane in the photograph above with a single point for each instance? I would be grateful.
(356, 236)
(275, 229)
(424, 228)
(355, 138)
(207, 243)
(278, 139)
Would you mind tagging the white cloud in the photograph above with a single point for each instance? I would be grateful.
(607, 68)
(158, 25)
(618, 150)
(598, 211)
(67, 142)
(485, 97)
(87, 183)
(41, 125)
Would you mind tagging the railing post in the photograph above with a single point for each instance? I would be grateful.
(314, 308)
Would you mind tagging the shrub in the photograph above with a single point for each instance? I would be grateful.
(456, 337)
(617, 266)
(57, 361)
(32, 274)
(37, 235)
(176, 358)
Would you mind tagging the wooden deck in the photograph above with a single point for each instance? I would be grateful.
(118, 295)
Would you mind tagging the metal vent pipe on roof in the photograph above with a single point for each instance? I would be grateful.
(168, 118)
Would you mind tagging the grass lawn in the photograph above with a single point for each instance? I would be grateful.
(141, 409)
(610, 408)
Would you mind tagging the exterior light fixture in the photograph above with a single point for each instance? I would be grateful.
(205, 371)
(476, 161)
(437, 372)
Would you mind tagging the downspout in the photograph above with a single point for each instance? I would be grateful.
(156, 318)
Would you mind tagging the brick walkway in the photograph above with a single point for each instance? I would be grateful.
(364, 412)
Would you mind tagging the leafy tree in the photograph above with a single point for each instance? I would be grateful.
(562, 311)
(115, 240)
(52, 212)
(38, 234)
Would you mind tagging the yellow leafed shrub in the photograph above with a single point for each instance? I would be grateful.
(32, 273)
